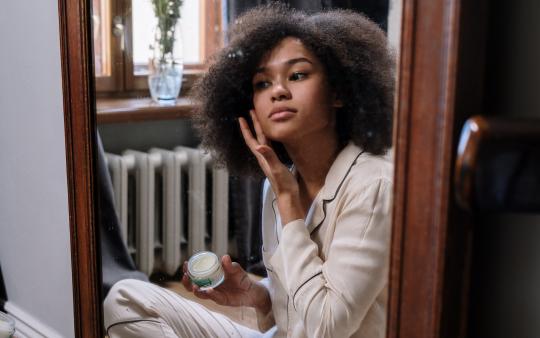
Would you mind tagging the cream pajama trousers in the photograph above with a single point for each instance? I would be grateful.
(135, 308)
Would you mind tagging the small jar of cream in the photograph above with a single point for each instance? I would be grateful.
(204, 269)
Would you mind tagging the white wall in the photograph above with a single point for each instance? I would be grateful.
(34, 226)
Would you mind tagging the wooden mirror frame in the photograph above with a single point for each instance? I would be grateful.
(421, 302)
(80, 129)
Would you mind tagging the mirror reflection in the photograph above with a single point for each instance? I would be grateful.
(257, 201)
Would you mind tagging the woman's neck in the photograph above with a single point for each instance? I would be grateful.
(312, 159)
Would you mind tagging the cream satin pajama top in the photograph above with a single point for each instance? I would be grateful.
(327, 275)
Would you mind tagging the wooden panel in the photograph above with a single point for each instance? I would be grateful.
(441, 84)
(77, 84)
(423, 147)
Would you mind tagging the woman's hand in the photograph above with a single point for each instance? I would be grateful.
(237, 288)
(283, 182)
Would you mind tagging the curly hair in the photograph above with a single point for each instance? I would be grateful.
(356, 59)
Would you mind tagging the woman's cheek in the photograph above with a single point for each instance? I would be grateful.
(264, 122)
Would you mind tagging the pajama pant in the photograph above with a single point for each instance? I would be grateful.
(135, 308)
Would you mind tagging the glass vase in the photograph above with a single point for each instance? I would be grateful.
(166, 66)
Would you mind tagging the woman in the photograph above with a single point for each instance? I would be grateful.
(306, 101)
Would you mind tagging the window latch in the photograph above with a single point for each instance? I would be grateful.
(118, 30)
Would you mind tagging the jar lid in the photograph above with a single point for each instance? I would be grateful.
(203, 263)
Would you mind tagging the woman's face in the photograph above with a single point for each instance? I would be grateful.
(291, 95)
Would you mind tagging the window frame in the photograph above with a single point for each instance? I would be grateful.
(114, 81)
(123, 82)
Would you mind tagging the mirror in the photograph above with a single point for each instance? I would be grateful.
(427, 94)
(161, 198)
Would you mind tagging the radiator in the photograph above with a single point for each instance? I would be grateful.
(171, 204)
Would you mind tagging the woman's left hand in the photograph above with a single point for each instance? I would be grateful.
(237, 288)
(283, 182)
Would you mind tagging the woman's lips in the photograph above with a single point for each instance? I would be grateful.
(282, 115)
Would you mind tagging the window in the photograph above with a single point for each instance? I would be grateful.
(122, 33)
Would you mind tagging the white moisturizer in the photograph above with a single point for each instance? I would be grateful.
(203, 263)
(204, 270)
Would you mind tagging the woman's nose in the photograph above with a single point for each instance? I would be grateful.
(280, 92)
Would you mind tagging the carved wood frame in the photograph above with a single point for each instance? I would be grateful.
(424, 137)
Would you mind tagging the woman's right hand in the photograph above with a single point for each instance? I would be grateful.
(283, 183)
(237, 288)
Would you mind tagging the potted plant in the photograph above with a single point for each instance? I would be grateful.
(166, 66)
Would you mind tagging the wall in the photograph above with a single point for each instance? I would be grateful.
(144, 135)
(34, 225)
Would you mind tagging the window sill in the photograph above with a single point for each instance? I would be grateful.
(122, 110)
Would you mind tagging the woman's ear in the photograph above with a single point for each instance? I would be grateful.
(338, 104)
(337, 101)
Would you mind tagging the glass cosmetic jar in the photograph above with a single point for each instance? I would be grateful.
(204, 269)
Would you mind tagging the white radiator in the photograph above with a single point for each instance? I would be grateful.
(157, 192)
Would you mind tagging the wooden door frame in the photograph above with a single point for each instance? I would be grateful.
(422, 240)
(424, 115)
(441, 74)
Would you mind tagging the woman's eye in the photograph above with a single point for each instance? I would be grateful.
(297, 76)
(261, 84)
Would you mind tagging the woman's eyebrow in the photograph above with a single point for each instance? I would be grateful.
(288, 62)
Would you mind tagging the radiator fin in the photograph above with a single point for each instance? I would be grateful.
(177, 174)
